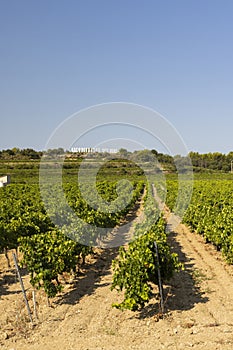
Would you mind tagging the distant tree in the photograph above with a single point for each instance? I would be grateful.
(30, 153)
(123, 152)
(212, 161)
(16, 150)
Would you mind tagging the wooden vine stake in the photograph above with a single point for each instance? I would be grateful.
(22, 287)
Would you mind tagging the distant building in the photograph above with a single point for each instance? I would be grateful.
(92, 150)
(5, 180)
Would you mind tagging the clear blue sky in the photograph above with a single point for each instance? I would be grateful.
(175, 56)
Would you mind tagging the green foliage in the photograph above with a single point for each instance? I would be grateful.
(48, 252)
(213, 161)
(47, 256)
(210, 212)
(21, 214)
(16, 153)
(178, 195)
(136, 268)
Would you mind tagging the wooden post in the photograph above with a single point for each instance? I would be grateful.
(22, 287)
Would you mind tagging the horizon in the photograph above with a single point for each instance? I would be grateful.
(85, 149)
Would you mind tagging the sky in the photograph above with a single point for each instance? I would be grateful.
(173, 56)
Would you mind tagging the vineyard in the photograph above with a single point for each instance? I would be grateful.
(136, 268)
(209, 212)
(50, 241)
(47, 251)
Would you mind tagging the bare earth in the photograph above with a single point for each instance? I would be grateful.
(199, 307)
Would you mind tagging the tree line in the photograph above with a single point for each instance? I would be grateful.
(215, 161)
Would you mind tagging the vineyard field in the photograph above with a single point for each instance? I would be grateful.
(51, 241)
(210, 210)
(84, 282)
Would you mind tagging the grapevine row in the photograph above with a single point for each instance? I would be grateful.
(136, 268)
(210, 212)
(49, 251)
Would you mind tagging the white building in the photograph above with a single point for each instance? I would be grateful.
(92, 150)
(5, 180)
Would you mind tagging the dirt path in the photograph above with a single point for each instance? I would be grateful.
(199, 308)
